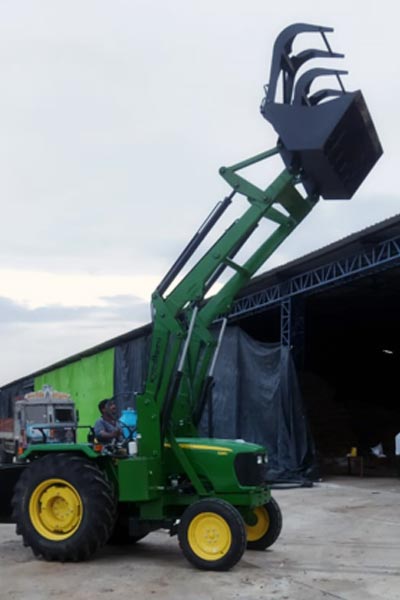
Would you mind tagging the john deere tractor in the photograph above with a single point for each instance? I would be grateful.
(71, 498)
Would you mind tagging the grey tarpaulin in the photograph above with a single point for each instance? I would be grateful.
(256, 397)
(130, 366)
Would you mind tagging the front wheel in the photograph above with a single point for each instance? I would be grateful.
(212, 535)
(264, 526)
(63, 507)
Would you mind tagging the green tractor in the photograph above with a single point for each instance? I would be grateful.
(72, 498)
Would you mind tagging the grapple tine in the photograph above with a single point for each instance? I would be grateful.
(305, 81)
(305, 55)
(316, 98)
(295, 62)
(282, 50)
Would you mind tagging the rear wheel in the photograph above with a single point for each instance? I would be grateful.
(264, 526)
(212, 535)
(63, 507)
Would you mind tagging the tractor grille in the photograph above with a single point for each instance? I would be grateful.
(248, 469)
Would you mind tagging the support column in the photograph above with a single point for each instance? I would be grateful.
(293, 327)
(286, 322)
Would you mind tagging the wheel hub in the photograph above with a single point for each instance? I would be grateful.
(55, 509)
(209, 536)
(259, 525)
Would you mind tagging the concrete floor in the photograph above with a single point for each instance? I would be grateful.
(341, 539)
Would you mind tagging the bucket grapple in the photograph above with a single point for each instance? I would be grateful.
(328, 135)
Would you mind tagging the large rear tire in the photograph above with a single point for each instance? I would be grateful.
(64, 507)
(265, 526)
(212, 535)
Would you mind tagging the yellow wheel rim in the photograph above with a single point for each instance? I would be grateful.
(209, 536)
(260, 527)
(55, 509)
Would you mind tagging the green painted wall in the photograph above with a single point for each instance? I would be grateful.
(88, 380)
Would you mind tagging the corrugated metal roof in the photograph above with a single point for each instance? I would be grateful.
(355, 242)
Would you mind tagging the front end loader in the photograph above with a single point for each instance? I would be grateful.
(73, 498)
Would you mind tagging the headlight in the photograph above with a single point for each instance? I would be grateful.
(250, 468)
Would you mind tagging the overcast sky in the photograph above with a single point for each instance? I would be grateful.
(114, 119)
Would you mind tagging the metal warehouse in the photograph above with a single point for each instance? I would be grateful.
(308, 365)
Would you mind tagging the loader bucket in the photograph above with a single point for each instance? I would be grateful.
(327, 137)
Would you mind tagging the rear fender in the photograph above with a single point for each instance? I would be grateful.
(36, 450)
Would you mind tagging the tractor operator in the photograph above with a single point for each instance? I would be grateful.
(106, 428)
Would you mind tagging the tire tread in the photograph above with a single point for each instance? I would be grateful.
(98, 505)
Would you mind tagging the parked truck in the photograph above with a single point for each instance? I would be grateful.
(45, 415)
(70, 498)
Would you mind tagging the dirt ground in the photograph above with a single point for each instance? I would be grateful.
(341, 539)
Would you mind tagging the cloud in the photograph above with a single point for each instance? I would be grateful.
(115, 308)
(34, 338)
(30, 346)
(113, 126)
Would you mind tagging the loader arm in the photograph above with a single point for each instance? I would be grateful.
(173, 392)
(328, 144)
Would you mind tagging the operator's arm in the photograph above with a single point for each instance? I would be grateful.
(105, 436)
(102, 434)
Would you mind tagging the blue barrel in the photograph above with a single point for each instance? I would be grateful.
(128, 421)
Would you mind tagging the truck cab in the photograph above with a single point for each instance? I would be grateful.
(43, 416)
